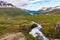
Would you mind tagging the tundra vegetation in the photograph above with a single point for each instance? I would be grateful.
(13, 20)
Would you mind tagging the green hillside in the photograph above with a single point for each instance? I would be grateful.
(10, 24)
(12, 12)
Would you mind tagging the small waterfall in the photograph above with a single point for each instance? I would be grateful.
(36, 31)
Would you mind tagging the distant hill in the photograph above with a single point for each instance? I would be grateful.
(44, 10)
(12, 11)
(50, 10)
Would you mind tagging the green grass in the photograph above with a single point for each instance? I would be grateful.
(10, 24)
(28, 36)
(48, 27)
(12, 12)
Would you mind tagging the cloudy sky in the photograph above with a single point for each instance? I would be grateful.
(33, 4)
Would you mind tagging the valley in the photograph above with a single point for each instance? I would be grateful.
(14, 20)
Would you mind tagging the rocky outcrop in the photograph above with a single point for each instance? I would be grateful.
(57, 28)
(16, 36)
(5, 4)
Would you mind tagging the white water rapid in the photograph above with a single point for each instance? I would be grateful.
(35, 31)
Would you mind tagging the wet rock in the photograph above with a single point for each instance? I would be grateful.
(33, 26)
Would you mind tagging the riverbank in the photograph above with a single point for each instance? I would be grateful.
(10, 24)
(15, 36)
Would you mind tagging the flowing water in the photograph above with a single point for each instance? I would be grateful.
(36, 31)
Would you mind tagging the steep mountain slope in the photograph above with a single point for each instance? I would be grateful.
(12, 11)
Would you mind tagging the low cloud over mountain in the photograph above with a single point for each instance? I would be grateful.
(34, 4)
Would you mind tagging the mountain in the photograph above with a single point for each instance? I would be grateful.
(12, 12)
(50, 10)
(6, 4)
(57, 7)
(44, 10)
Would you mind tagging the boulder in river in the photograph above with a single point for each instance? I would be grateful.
(33, 26)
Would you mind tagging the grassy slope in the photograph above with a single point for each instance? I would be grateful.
(11, 19)
(12, 12)
(48, 27)
(13, 23)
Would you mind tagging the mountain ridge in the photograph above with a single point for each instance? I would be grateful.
(46, 10)
(4, 4)
(43, 10)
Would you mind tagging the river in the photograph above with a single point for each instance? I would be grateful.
(36, 31)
